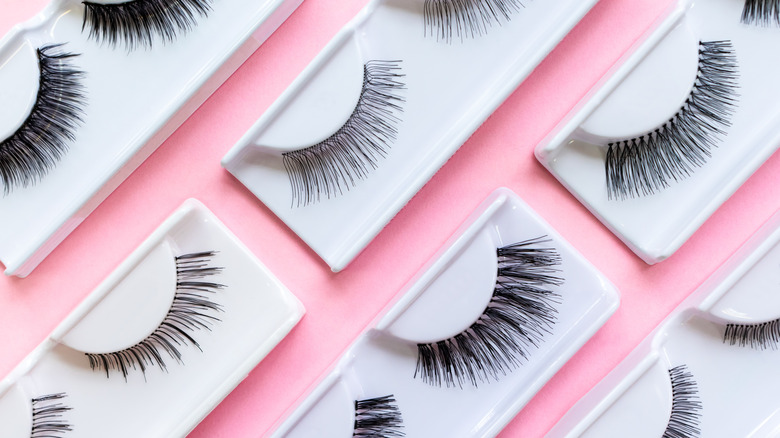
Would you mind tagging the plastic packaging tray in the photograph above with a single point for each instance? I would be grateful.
(735, 384)
(256, 312)
(443, 302)
(646, 88)
(450, 86)
(135, 100)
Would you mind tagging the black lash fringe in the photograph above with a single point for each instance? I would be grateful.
(190, 311)
(335, 164)
(645, 165)
(686, 406)
(378, 418)
(761, 12)
(521, 312)
(466, 18)
(756, 336)
(36, 147)
(137, 22)
(47, 412)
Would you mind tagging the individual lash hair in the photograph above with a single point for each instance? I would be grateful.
(335, 164)
(761, 12)
(647, 164)
(191, 310)
(47, 421)
(138, 22)
(757, 336)
(520, 313)
(686, 407)
(378, 418)
(462, 19)
(42, 139)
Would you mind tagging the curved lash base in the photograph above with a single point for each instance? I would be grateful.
(685, 417)
(191, 310)
(378, 417)
(338, 162)
(645, 165)
(136, 23)
(47, 412)
(520, 314)
(759, 336)
(42, 139)
(448, 19)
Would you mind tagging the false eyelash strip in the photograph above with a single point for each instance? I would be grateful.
(466, 18)
(137, 22)
(36, 147)
(47, 415)
(190, 311)
(686, 406)
(645, 165)
(757, 336)
(520, 313)
(761, 12)
(378, 417)
(335, 164)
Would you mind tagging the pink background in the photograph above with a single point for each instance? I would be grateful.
(499, 154)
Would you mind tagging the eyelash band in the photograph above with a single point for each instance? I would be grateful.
(756, 336)
(378, 418)
(761, 12)
(190, 311)
(520, 313)
(645, 165)
(686, 406)
(47, 419)
(466, 18)
(335, 164)
(137, 22)
(36, 147)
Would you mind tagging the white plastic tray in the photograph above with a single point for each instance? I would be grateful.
(450, 87)
(256, 313)
(441, 302)
(644, 90)
(736, 384)
(135, 100)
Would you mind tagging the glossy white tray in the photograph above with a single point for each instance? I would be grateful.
(448, 87)
(734, 373)
(255, 312)
(644, 90)
(135, 100)
(443, 303)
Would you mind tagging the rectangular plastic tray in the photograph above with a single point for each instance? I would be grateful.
(735, 382)
(644, 90)
(255, 313)
(441, 304)
(135, 100)
(450, 87)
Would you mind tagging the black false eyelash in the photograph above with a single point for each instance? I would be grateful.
(335, 164)
(686, 406)
(47, 412)
(466, 18)
(138, 22)
(761, 12)
(378, 418)
(36, 147)
(757, 336)
(521, 312)
(191, 310)
(647, 164)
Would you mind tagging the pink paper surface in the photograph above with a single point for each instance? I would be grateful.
(341, 305)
